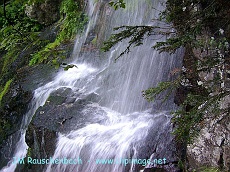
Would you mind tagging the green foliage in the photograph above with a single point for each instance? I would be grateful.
(153, 93)
(94, 41)
(16, 24)
(172, 44)
(5, 89)
(203, 102)
(181, 164)
(117, 4)
(21, 35)
(72, 22)
(191, 20)
(189, 123)
(29, 152)
(136, 34)
(15, 17)
(66, 66)
(42, 56)
(189, 119)
(69, 66)
(209, 169)
(18, 33)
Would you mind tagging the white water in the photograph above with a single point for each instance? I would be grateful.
(41, 94)
(119, 138)
(128, 120)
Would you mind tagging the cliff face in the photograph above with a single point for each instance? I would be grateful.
(46, 12)
(22, 78)
(212, 146)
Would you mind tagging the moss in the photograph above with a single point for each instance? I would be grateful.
(29, 152)
(94, 41)
(18, 34)
(209, 169)
(8, 59)
(96, 1)
(4, 123)
(5, 89)
(72, 22)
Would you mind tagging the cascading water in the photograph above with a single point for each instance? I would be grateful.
(119, 124)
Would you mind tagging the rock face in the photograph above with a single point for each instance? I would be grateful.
(46, 12)
(15, 102)
(212, 147)
(15, 105)
(61, 113)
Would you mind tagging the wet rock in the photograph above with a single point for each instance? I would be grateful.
(41, 146)
(49, 33)
(46, 12)
(14, 106)
(163, 155)
(33, 77)
(59, 96)
(70, 100)
(59, 115)
(92, 97)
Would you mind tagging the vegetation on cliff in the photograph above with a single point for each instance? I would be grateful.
(71, 13)
(28, 39)
(18, 34)
(202, 27)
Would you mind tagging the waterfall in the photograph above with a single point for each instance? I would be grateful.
(120, 125)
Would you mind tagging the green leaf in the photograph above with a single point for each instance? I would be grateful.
(69, 66)
(115, 7)
(111, 3)
(122, 5)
